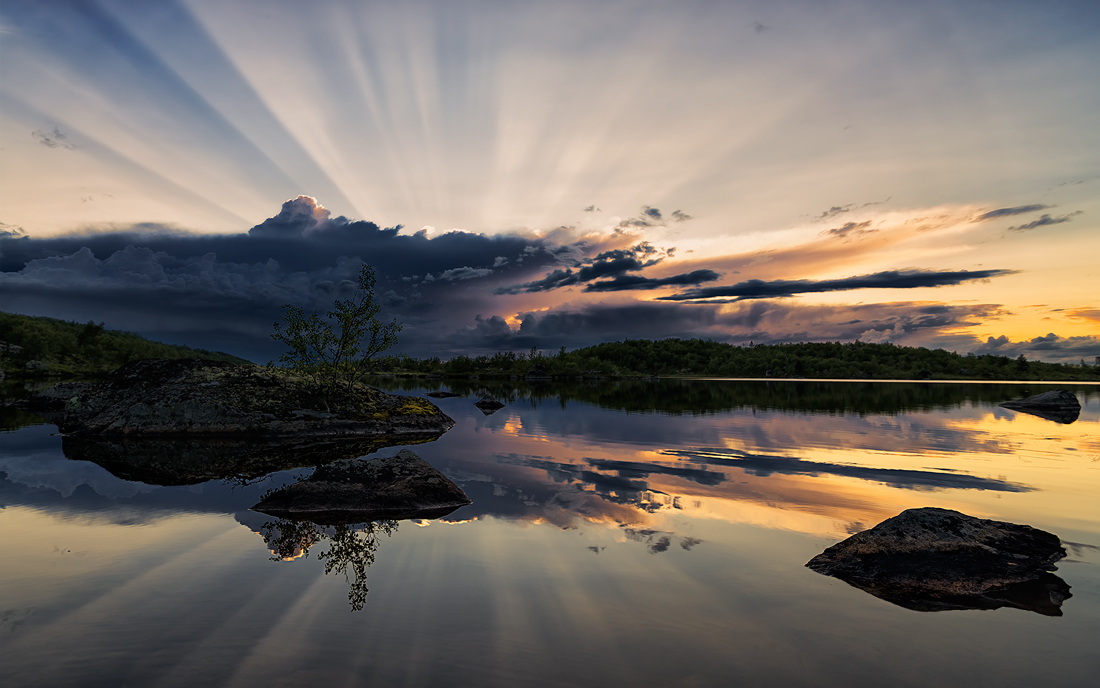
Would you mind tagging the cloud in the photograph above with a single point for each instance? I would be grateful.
(637, 282)
(835, 210)
(464, 273)
(680, 216)
(1092, 314)
(1008, 212)
(612, 263)
(891, 279)
(298, 216)
(1050, 347)
(53, 139)
(844, 230)
(1046, 220)
(591, 209)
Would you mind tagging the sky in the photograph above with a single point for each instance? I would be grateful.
(547, 174)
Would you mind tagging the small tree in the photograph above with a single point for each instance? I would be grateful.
(335, 351)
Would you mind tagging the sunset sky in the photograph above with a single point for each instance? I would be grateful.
(556, 173)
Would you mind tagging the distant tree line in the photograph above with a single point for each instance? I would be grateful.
(700, 357)
(47, 346)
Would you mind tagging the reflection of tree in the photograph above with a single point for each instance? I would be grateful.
(351, 548)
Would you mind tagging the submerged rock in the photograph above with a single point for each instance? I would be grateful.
(397, 487)
(210, 398)
(1057, 405)
(489, 404)
(935, 559)
(441, 395)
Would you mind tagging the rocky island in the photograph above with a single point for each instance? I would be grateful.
(934, 559)
(1057, 405)
(201, 398)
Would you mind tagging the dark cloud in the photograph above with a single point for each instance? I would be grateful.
(1008, 212)
(680, 216)
(764, 465)
(1046, 220)
(1050, 347)
(224, 291)
(757, 27)
(891, 279)
(637, 470)
(835, 210)
(613, 263)
(854, 228)
(53, 139)
(651, 213)
(637, 282)
(591, 209)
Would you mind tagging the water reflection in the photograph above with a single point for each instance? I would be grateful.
(189, 461)
(1043, 595)
(351, 548)
(694, 397)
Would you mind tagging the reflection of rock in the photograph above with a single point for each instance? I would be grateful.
(441, 395)
(397, 487)
(1057, 405)
(489, 405)
(932, 559)
(184, 461)
(159, 397)
(1044, 595)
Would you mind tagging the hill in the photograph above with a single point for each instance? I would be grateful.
(36, 347)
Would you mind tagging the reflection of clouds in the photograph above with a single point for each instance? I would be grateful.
(763, 466)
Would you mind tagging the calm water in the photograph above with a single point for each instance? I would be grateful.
(641, 534)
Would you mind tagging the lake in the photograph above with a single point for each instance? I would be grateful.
(644, 533)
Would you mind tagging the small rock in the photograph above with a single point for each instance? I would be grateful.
(931, 559)
(396, 487)
(1057, 405)
(489, 404)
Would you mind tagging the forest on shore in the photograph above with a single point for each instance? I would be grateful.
(33, 346)
(705, 358)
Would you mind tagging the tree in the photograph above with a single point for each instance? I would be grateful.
(336, 350)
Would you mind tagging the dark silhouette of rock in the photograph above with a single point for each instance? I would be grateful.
(489, 404)
(537, 372)
(935, 559)
(441, 395)
(177, 460)
(1057, 405)
(397, 487)
(212, 398)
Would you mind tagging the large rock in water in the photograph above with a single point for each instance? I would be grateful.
(936, 559)
(397, 487)
(210, 398)
(1057, 405)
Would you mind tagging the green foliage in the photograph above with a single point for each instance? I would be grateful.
(699, 357)
(65, 348)
(335, 351)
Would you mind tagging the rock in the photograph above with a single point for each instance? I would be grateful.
(537, 372)
(211, 398)
(1057, 405)
(441, 395)
(35, 365)
(935, 559)
(489, 404)
(397, 487)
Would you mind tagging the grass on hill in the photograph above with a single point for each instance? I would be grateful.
(60, 348)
